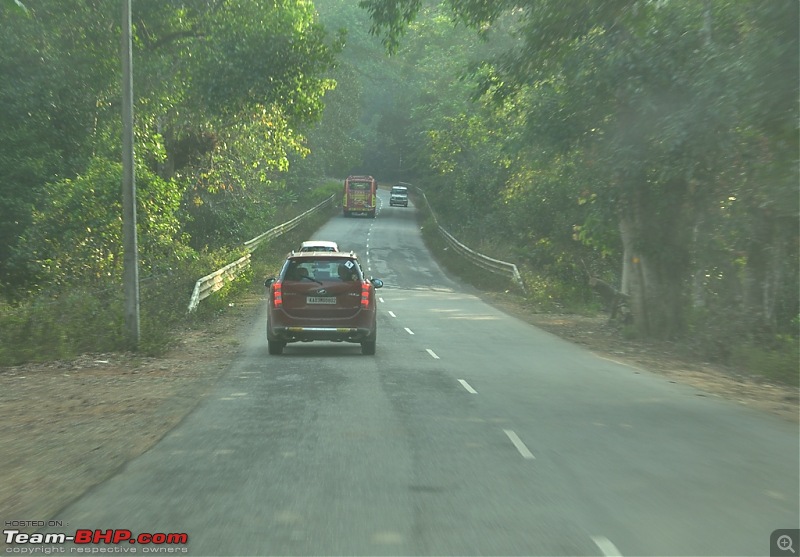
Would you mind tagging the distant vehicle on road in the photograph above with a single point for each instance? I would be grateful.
(319, 245)
(399, 195)
(360, 196)
(322, 296)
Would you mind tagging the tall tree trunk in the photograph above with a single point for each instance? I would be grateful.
(755, 279)
(699, 264)
(656, 246)
(625, 281)
(764, 274)
(637, 288)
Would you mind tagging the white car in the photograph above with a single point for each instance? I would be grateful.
(319, 245)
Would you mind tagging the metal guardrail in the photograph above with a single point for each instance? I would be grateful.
(209, 284)
(509, 270)
(285, 227)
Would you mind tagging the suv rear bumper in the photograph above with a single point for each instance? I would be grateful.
(307, 334)
(392, 202)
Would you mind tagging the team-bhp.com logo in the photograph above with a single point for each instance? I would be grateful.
(95, 537)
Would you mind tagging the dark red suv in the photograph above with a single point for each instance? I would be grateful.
(322, 296)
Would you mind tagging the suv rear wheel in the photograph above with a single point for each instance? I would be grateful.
(368, 347)
(368, 344)
(275, 347)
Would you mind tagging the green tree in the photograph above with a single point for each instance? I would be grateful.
(657, 101)
(222, 91)
(73, 241)
(58, 66)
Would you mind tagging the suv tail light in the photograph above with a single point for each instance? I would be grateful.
(277, 296)
(365, 295)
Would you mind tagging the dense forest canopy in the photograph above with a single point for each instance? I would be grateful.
(223, 91)
(660, 135)
(650, 144)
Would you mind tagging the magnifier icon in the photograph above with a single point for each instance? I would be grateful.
(784, 543)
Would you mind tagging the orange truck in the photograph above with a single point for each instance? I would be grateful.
(360, 196)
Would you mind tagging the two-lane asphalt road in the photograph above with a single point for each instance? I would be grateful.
(469, 432)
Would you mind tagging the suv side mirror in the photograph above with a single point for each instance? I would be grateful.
(377, 283)
(269, 282)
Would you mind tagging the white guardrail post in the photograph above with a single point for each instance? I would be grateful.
(209, 284)
(509, 270)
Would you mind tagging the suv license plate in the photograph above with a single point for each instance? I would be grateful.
(320, 299)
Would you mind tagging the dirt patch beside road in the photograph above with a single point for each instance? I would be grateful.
(670, 360)
(70, 425)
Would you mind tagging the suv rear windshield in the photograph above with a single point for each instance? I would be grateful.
(321, 269)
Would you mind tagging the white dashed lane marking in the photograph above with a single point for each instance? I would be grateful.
(523, 450)
(392, 314)
(605, 545)
(431, 352)
(409, 331)
(467, 387)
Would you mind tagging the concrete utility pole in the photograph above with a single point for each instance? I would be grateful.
(130, 248)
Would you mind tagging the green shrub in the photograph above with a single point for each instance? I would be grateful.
(49, 328)
(79, 318)
(779, 363)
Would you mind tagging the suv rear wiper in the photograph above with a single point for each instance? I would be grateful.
(310, 278)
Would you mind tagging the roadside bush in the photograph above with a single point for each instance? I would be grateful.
(60, 326)
(72, 319)
(779, 363)
(549, 294)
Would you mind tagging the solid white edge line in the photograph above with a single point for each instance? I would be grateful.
(392, 314)
(467, 387)
(523, 450)
(432, 353)
(619, 363)
(605, 545)
(409, 331)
